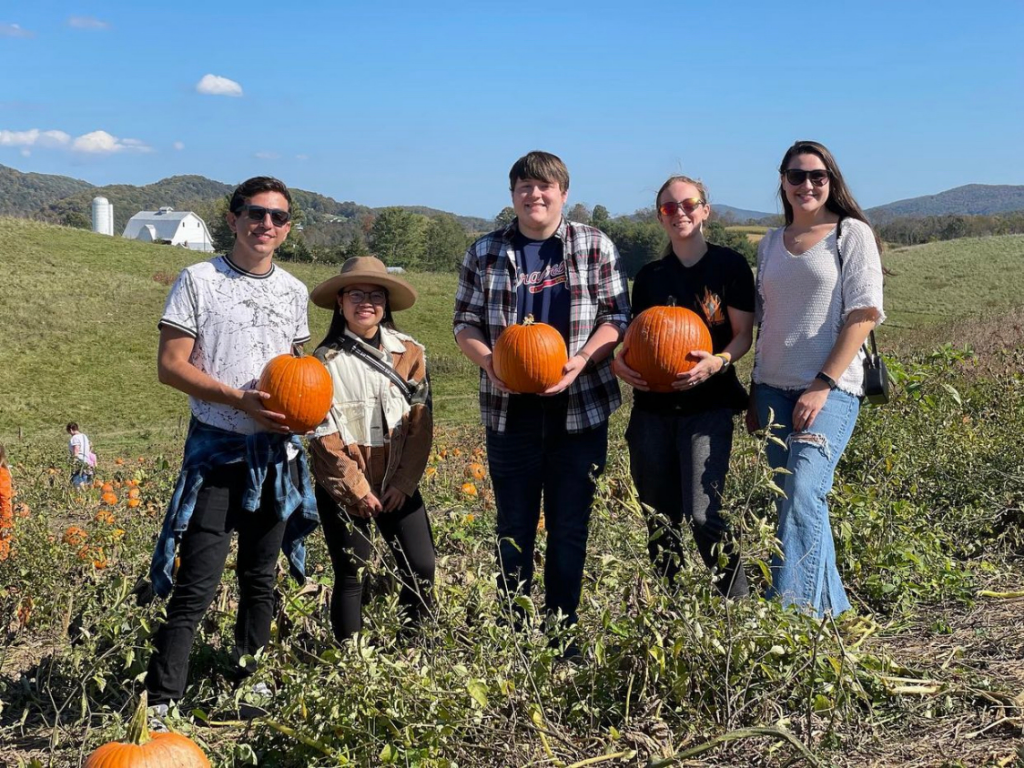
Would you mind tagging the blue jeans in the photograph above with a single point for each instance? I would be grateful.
(535, 453)
(806, 574)
(82, 477)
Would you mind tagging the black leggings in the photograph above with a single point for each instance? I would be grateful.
(407, 534)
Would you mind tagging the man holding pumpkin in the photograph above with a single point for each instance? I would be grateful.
(242, 470)
(566, 275)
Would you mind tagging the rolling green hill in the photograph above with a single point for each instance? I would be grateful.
(79, 313)
(24, 194)
(967, 200)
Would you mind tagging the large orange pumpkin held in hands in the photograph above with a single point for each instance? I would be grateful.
(659, 342)
(300, 388)
(161, 750)
(530, 357)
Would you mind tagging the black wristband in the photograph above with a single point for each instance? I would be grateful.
(822, 376)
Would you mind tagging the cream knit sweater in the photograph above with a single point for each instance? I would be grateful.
(801, 306)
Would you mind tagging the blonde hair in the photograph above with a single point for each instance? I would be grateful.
(672, 180)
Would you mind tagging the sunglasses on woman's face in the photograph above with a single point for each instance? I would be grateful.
(688, 206)
(259, 213)
(796, 177)
(374, 297)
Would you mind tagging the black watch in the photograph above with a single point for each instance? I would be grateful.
(822, 376)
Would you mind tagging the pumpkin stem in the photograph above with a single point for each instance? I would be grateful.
(138, 728)
(529, 320)
(671, 301)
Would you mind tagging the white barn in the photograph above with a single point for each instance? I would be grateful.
(170, 227)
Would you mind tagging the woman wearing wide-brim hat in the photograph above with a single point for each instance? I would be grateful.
(371, 450)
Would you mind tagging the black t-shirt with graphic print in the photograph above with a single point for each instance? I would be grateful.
(721, 279)
(542, 289)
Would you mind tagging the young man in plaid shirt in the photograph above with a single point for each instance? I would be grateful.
(567, 275)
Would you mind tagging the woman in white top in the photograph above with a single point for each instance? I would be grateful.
(819, 295)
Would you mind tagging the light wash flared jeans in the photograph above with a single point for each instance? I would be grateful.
(806, 574)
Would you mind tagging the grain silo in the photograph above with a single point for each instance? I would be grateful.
(102, 216)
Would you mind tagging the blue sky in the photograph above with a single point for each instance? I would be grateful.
(430, 103)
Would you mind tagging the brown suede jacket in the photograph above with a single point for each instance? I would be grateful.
(373, 438)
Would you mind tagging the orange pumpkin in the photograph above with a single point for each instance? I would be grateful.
(133, 503)
(107, 488)
(530, 357)
(134, 493)
(469, 489)
(476, 471)
(659, 342)
(159, 750)
(109, 498)
(74, 536)
(300, 388)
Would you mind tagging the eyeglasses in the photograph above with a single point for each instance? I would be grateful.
(358, 297)
(796, 177)
(689, 205)
(259, 213)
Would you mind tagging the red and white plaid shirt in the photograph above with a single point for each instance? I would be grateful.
(486, 299)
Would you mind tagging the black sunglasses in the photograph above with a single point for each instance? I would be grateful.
(796, 177)
(259, 213)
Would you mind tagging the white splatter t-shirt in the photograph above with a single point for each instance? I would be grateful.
(239, 321)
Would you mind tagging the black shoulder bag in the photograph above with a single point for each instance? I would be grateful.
(876, 375)
(350, 345)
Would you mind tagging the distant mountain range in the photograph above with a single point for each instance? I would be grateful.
(63, 199)
(970, 199)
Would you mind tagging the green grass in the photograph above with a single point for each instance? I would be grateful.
(79, 313)
(952, 279)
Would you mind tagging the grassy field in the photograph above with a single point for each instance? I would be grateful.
(80, 311)
(753, 233)
(926, 513)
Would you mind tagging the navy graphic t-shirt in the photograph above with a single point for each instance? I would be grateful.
(542, 289)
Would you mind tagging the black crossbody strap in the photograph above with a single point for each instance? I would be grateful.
(353, 347)
(873, 350)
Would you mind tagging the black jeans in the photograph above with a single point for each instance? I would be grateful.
(407, 534)
(679, 465)
(203, 550)
(537, 454)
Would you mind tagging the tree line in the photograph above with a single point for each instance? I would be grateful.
(927, 229)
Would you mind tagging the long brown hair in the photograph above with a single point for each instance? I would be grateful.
(840, 200)
(672, 180)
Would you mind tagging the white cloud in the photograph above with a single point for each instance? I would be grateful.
(102, 143)
(15, 30)
(179, 145)
(26, 152)
(34, 138)
(97, 142)
(87, 22)
(215, 85)
(266, 155)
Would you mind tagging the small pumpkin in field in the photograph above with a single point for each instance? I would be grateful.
(107, 488)
(134, 502)
(300, 388)
(476, 471)
(530, 357)
(159, 750)
(659, 342)
(109, 498)
(469, 489)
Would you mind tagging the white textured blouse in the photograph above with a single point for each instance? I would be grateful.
(802, 304)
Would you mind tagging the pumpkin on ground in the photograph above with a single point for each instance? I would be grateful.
(159, 750)
(659, 342)
(476, 471)
(530, 357)
(300, 388)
